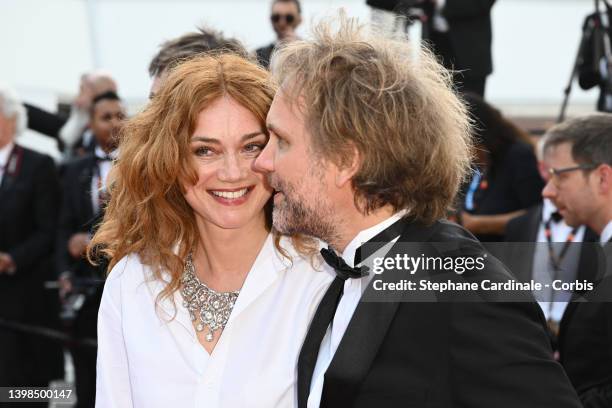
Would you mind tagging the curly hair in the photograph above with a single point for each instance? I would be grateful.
(394, 104)
(147, 213)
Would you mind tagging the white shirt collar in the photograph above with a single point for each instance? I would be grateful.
(101, 153)
(363, 236)
(548, 208)
(606, 234)
(4, 154)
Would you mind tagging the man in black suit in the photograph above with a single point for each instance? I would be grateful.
(461, 35)
(369, 145)
(285, 16)
(29, 204)
(84, 187)
(562, 251)
(581, 188)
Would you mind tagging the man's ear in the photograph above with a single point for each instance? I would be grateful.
(604, 174)
(346, 173)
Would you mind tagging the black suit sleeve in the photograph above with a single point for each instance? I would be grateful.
(466, 9)
(509, 364)
(44, 122)
(45, 210)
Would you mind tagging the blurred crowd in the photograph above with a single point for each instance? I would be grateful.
(48, 212)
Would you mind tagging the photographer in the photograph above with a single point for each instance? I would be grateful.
(593, 59)
(461, 35)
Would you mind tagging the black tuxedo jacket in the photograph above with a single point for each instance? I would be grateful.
(467, 44)
(585, 341)
(77, 214)
(29, 204)
(525, 229)
(446, 354)
(264, 54)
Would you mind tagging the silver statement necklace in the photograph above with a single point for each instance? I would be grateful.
(207, 307)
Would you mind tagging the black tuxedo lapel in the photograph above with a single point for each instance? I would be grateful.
(534, 220)
(587, 267)
(11, 172)
(363, 338)
(533, 225)
(8, 180)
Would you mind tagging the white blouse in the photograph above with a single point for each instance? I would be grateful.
(146, 361)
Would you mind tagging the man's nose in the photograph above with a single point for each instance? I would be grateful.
(265, 161)
(549, 191)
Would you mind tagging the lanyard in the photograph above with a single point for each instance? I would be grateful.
(554, 259)
(479, 183)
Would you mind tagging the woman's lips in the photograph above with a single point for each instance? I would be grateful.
(231, 197)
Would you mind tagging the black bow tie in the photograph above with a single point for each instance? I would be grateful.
(556, 217)
(103, 158)
(343, 270)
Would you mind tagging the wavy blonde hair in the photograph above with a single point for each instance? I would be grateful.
(147, 213)
(393, 103)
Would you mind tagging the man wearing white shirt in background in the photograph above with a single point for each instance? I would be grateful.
(368, 142)
(84, 199)
(580, 161)
(558, 254)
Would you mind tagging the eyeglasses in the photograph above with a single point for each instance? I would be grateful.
(558, 172)
(276, 17)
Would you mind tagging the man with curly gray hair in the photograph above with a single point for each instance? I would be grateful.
(368, 144)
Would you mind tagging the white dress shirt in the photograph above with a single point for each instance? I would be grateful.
(104, 167)
(4, 156)
(559, 232)
(353, 289)
(606, 234)
(147, 360)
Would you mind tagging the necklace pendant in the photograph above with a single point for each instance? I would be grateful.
(209, 337)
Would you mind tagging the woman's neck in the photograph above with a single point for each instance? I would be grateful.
(224, 257)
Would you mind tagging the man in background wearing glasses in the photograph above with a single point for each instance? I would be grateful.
(285, 16)
(581, 187)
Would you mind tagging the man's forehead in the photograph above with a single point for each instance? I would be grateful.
(560, 152)
(109, 105)
(284, 7)
(290, 98)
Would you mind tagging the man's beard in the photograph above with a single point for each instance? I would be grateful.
(294, 216)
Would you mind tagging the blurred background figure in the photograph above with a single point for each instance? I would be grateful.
(71, 131)
(285, 16)
(593, 64)
(29, 204)
(559, 254)
(188, 46)
(580, 185)
(84, 199)
(75, 133)
(460, 33)
(506, 180)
